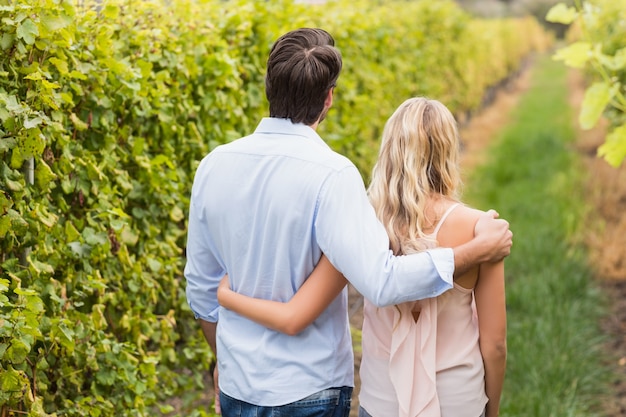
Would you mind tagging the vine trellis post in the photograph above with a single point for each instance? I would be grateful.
(29, 174)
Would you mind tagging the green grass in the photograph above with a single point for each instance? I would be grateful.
(535, 179)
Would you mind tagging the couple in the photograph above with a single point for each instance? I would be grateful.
(287, 219)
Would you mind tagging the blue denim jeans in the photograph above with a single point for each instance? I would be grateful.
(332, 402)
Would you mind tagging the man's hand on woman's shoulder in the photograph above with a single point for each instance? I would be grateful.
(494, 235)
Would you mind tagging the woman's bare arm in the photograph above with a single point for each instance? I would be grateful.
(491, 243)
(317, 292)
(491, 310)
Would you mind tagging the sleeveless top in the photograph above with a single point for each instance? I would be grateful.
(431, 367)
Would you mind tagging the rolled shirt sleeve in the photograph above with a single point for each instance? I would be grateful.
(203, 272)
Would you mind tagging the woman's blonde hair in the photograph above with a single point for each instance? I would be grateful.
(418, 159)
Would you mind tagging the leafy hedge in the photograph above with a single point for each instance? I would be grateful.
(597, 44)
(105, 111)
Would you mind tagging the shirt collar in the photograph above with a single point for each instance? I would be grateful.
(275, 125)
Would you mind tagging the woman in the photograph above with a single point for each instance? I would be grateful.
(443, 356)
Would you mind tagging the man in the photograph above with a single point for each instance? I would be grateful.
(264, 208)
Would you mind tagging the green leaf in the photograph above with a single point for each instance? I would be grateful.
(33, 143)
(44, 215)
(34, 76)
(119, 212)
(597, 96)
(44, 176)
(615, 62)
(18, 350)
(6, 41)
(94, 238)
(32, 123)
(40, 267)
(6, 144)
(78, 75)
(5, 225)
(37, 408)
(5, 202)
(60, 65)
(106, 376)
(12, 185)
(71, 234)
(111, 11)
(11, 380)
(80, 125)
(12, 105)
(4, 114)
(129, 237)
(575, 55)
(28, 31)
(162, 159)
(80, 249)
(65, 336)
(165, 409)
(176, 214)
(18, 224)
(117, 224)
(55, 23)
(154, 265)
(124, 256)
(613, 150)
(26, 292)
(49, 86)
(561, 13)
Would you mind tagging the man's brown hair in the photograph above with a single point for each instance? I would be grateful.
(302, 67)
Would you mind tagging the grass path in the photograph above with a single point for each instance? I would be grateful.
(534, 177)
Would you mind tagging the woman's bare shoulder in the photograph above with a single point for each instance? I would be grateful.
(459, 226)
(468, 213)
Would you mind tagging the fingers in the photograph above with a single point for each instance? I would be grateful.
(494, 214)
(497, 232)
(500, 224)
(504, 223)
(224, 281)
(218, 408)
(224, 285)
(490, 223)
(508, 243)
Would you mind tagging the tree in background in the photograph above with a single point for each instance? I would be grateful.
(597, 45)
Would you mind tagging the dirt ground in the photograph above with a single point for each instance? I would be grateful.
(606, 223)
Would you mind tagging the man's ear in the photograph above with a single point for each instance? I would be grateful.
(329, 98)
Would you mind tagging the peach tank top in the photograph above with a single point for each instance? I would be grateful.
(431, 367)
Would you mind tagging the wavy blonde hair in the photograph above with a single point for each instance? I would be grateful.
(418, 161)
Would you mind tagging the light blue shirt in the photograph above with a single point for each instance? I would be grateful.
(264, 208)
